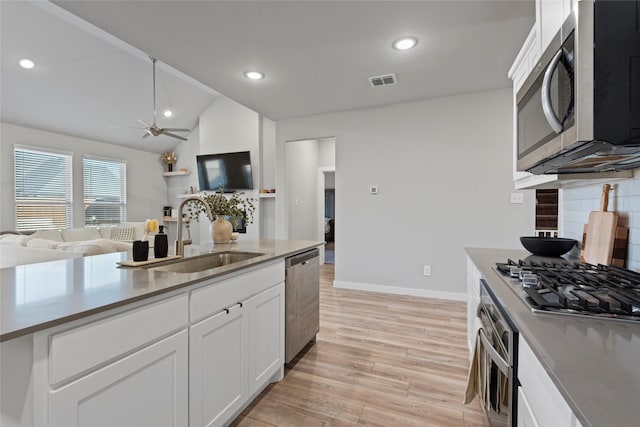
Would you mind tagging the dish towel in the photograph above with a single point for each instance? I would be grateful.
(476, 379)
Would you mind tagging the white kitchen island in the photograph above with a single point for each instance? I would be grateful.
(85, 343)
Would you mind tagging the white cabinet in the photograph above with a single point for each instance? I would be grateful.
(146, 388)
(96, 373)
(218, 358)
(541, 403)
(550, 14)
(525, 413)
(473, 301)
(236, 343)
(266, 337)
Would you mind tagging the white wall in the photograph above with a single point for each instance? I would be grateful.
(624, 198)
(145, 186)
(224, 126)
(443, 168)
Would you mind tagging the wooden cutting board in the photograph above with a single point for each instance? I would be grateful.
(601, 233)
(619, 257)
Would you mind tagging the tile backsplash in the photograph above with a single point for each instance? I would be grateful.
(624, 198)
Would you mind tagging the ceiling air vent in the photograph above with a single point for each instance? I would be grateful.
(385, 80)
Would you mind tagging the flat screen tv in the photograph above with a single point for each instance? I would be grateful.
(229, 171)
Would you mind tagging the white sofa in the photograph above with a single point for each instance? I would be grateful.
(49, 245)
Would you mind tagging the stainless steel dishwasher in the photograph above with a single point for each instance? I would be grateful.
(302, 301)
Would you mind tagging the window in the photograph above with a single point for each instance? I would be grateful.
(43, 192)
(104, 191)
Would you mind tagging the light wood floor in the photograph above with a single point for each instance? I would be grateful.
(379, 360)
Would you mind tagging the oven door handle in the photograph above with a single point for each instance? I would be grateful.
(502, 364)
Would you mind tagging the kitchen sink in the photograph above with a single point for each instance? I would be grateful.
(206, 262)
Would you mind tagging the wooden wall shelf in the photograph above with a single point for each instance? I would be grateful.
(176, 173)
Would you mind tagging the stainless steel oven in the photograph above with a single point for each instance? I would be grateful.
(499, 356)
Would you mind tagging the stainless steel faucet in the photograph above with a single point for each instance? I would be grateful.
(180, 243)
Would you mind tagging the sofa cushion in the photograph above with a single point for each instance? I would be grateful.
(80, 234)
(42, 243)
(15, 239)
(126, 232)
(48, 235)
(88, 247)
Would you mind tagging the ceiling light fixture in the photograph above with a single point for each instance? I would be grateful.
(27, 64)
(167, 113)
(254, 75)
(405, 43)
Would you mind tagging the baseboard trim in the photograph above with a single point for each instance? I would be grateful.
(424, 293)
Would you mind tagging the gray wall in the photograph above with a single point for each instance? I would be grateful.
(145, 186)
(444, 171)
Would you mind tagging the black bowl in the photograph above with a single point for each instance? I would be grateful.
(547, 246)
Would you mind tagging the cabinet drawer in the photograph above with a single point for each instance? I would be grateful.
(80, 349)
(212, 298)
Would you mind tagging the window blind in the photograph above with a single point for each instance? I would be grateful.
(104, 191)
(43, 192)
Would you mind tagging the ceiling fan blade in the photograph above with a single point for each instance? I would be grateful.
(173, 135)
(177, 130)
(146, 134)
(144, 123)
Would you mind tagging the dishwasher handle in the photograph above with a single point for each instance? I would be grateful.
(302, 258)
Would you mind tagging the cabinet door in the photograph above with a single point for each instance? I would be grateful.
(550, 16)
(473, 302)
(266, 336)
(146, 388)
(218, 360)
(525, 414)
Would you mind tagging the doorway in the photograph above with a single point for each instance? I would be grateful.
(327, 190)
(310, 167)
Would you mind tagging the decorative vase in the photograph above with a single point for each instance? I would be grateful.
(169, 167)
(221, 230)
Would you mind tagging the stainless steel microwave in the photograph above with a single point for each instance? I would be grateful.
(579, 109)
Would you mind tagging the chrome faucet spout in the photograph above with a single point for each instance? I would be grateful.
(179, 241)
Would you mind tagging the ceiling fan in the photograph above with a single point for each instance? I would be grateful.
(153, 129)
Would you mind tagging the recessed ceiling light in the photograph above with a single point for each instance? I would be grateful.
(405, 43)
(167, 113)
(254, 75)
(27, 64)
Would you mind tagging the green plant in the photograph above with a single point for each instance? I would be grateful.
(235, 206)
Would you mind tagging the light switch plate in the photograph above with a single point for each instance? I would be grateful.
(517, 198)
(373, 189)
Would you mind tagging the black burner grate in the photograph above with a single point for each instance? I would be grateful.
(578, 288)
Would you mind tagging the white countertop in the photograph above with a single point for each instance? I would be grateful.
(594, 363)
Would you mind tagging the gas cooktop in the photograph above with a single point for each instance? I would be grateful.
(580, 289)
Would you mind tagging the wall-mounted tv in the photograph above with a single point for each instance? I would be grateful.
(231, 171)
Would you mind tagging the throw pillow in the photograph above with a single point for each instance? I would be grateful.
(122, 233)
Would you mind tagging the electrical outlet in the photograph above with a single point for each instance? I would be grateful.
(426, 270)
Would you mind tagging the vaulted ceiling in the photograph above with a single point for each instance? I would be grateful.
(93, 71)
